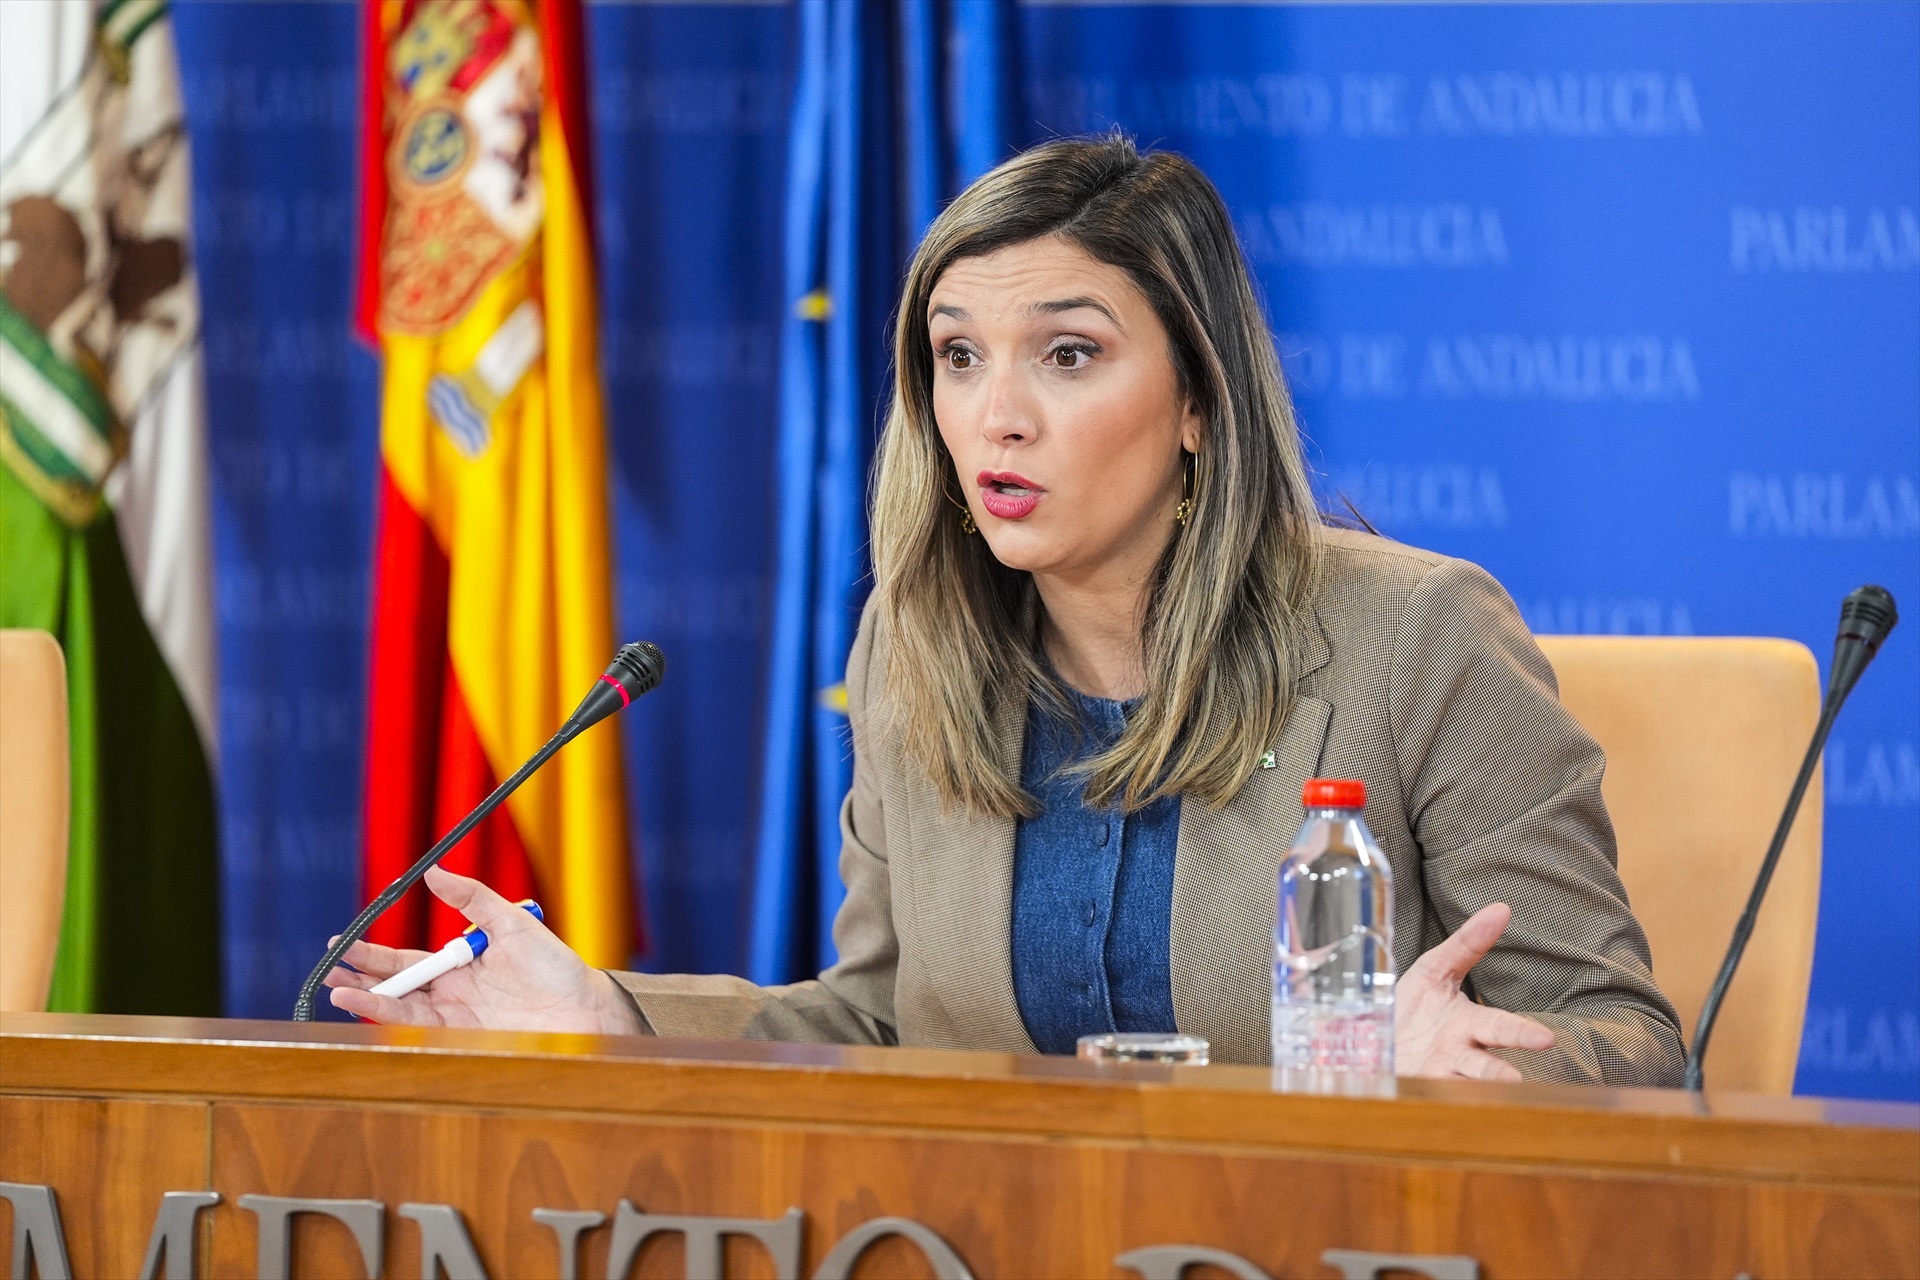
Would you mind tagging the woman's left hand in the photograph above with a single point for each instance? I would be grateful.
(1437, 1030)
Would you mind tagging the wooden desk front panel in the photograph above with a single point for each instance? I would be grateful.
(110, 1159)
(1010, 1206)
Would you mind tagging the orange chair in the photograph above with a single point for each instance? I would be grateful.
(1703, 737)
(33, 814)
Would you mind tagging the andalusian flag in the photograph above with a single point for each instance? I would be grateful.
(103, 492)
(491, 613)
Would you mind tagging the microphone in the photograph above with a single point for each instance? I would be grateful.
(1867, 616)
(635, 670)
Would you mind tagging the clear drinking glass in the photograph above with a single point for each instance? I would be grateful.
(1143, 1046)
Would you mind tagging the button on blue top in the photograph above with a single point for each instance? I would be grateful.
(1092, 891)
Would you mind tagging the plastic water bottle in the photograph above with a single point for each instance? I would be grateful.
(1333, 950)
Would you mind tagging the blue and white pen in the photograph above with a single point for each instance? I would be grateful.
(463, 950)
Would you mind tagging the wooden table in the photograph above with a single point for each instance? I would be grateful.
(1009, 1166)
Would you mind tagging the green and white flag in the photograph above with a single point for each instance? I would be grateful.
(104, 520)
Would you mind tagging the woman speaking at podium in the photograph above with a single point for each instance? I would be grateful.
(1110, 637)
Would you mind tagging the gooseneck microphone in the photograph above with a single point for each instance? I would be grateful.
(635, 670)
(1866, 618)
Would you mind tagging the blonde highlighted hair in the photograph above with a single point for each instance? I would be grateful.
(1227, 612)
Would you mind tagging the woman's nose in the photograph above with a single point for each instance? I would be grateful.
(1010, 413)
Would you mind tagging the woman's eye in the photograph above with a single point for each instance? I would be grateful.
(1070, 357)
(958, 359)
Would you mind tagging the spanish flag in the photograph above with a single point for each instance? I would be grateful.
(491, 609)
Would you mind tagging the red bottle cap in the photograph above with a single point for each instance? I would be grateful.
(1334, 793)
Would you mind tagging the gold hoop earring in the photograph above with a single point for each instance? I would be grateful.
(1184, 512)
(967, 527)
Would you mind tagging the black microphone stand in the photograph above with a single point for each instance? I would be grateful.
(1744, 930)
(303, 1006)
(1866, 617)
(635, 670)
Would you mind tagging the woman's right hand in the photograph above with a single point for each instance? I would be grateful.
(528, 980)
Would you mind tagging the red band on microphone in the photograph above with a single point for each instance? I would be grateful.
(626, 699)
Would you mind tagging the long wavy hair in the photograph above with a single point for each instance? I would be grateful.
(1227, 609)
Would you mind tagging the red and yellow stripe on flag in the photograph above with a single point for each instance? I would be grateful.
(491, 602)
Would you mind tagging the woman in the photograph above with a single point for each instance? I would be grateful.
(1109, 640)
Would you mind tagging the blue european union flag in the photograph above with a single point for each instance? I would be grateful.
(896, 108)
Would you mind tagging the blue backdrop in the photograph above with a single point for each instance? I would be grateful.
(1621, 301)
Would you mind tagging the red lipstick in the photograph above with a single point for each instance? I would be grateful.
(1008, 494)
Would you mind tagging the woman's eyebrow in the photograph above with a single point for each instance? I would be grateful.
(1039, 308)
(1074, 304)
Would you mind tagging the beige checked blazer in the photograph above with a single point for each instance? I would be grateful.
(1425, 684)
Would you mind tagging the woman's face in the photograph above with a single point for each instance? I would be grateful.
(1055, 392)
